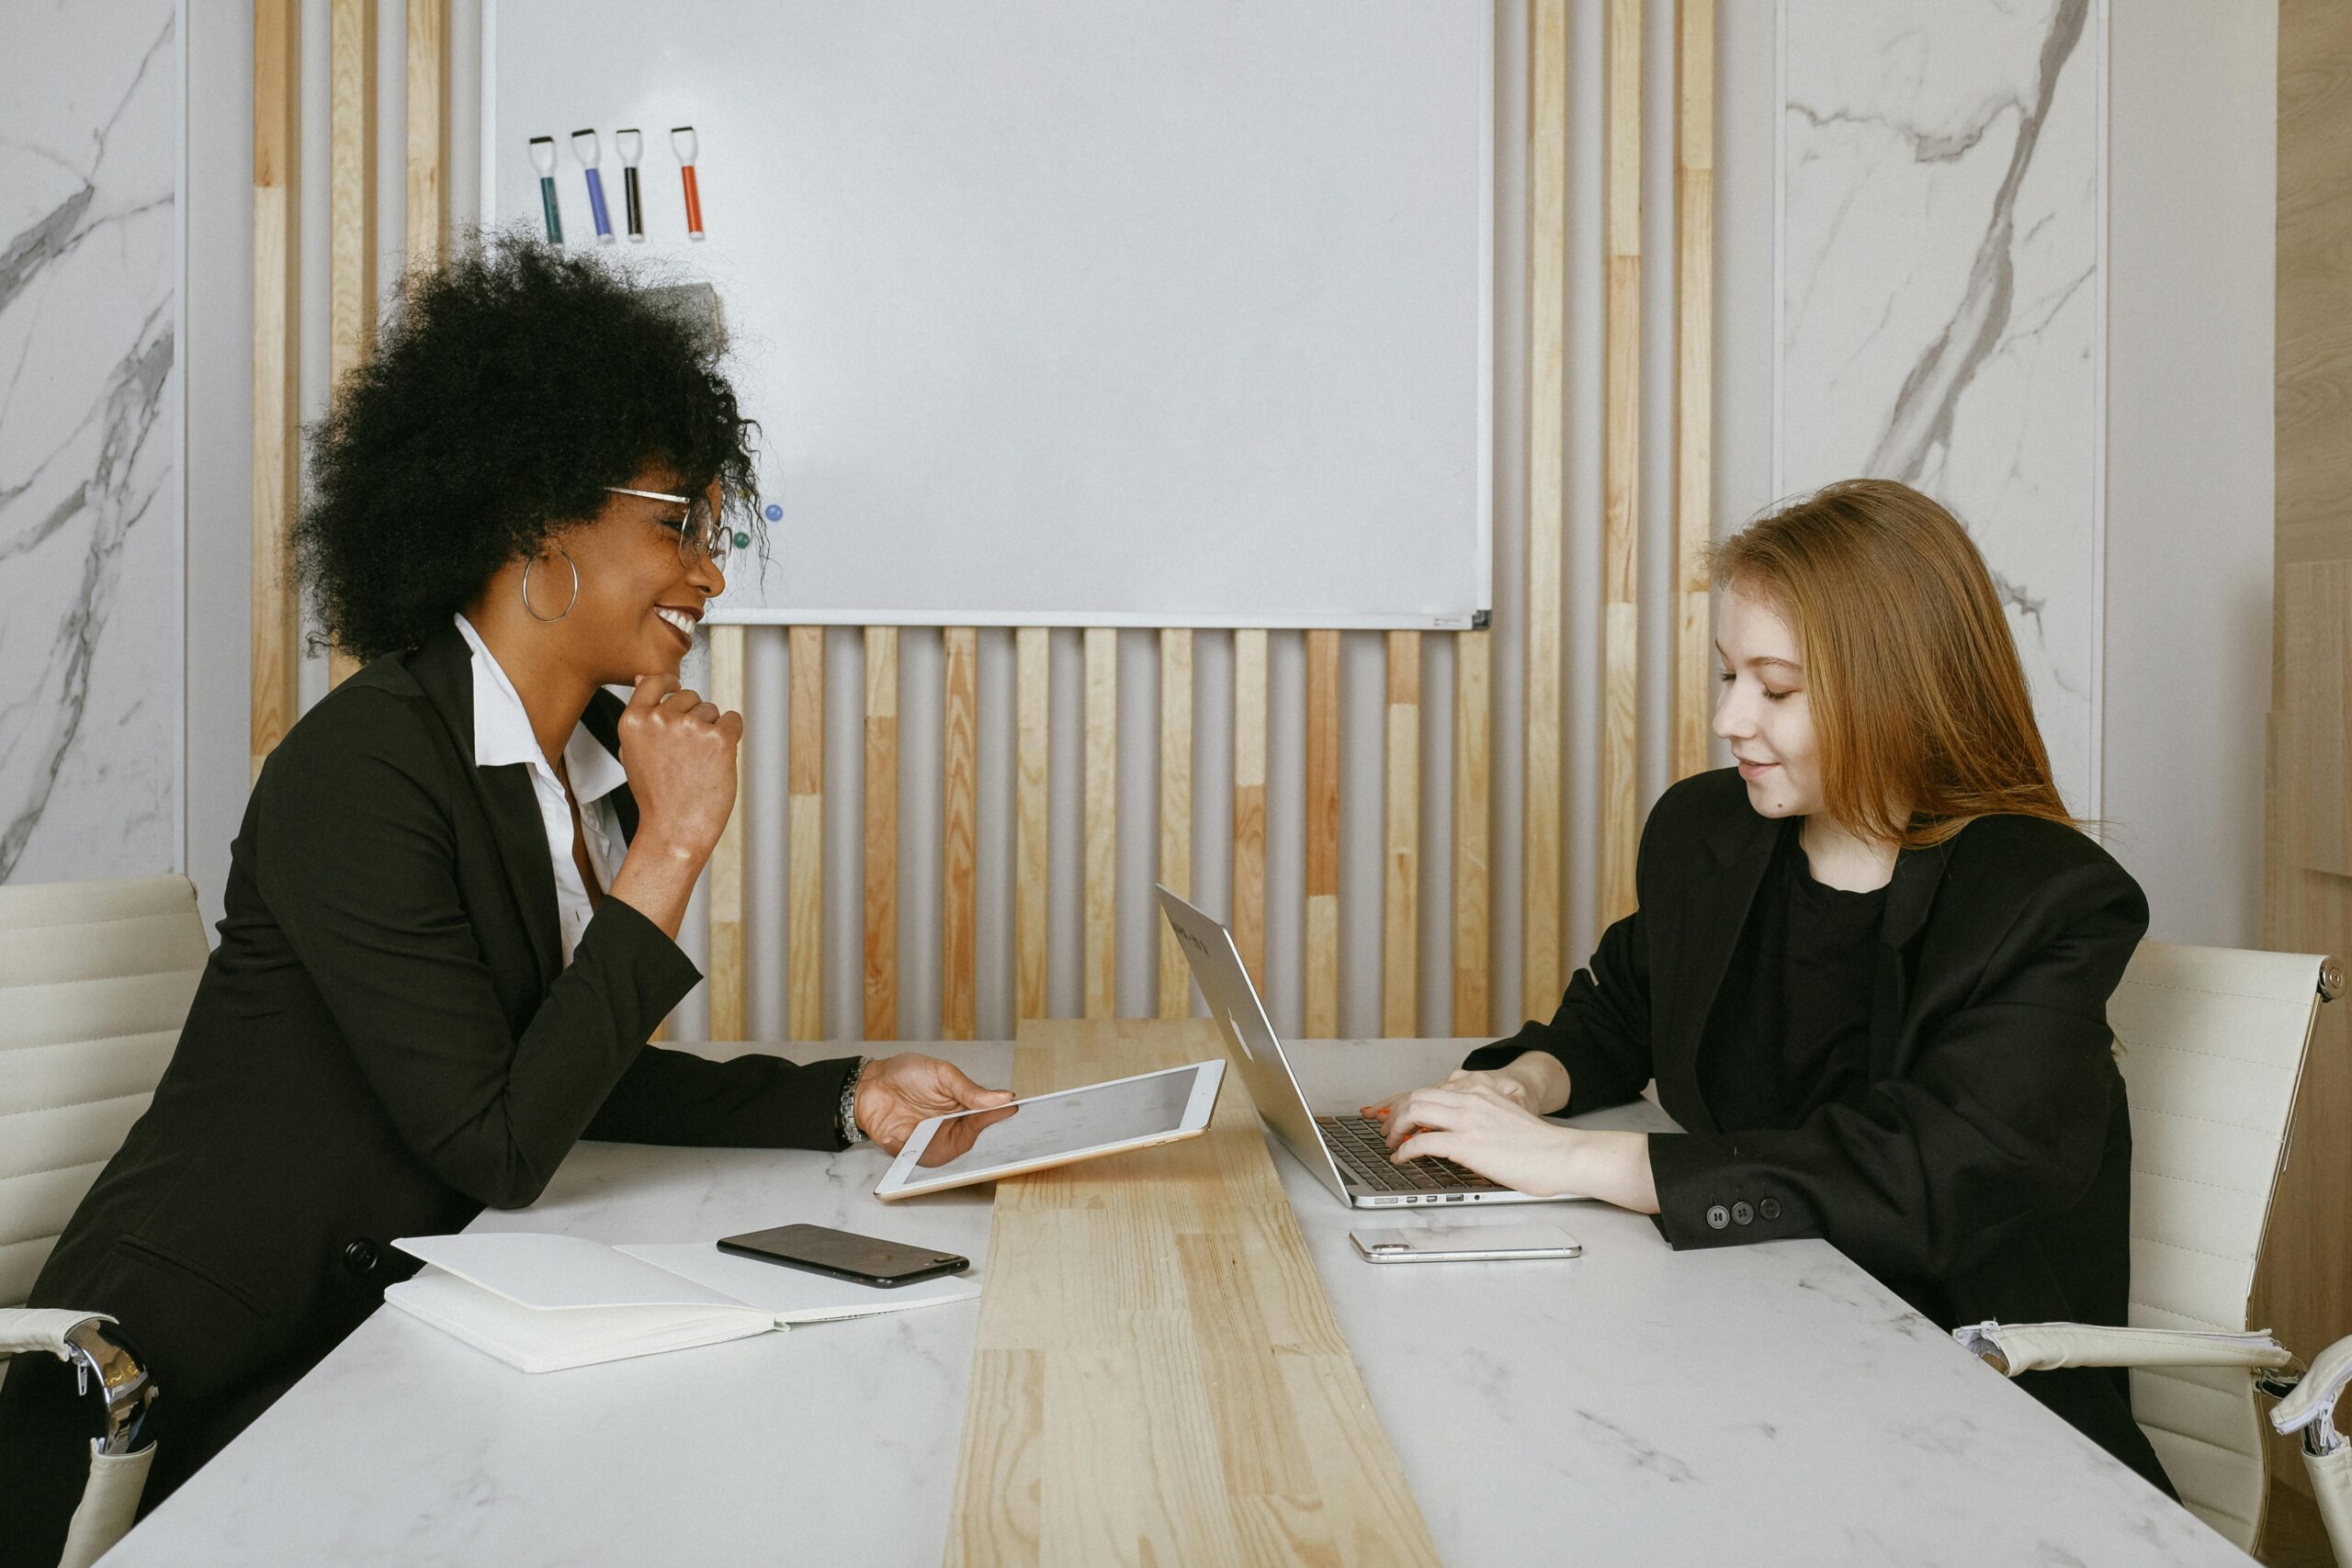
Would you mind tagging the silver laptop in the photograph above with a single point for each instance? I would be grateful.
(1347, 1154)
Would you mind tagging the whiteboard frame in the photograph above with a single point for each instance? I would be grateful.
(485, 216)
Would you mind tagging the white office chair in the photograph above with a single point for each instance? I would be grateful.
(95, 978)
(2212, 1042)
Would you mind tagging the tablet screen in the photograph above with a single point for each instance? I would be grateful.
(1060, 1124)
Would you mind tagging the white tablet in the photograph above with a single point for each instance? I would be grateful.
(1056, 1129)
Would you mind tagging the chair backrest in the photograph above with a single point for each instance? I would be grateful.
(95, 978)
(2212, 1042)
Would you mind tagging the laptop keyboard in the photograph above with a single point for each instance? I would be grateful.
(1362, 1149)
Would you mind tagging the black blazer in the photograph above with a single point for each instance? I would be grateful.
(385, 1042)
(1986, 1172)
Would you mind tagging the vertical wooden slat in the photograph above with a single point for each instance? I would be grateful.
(1543, 845)
(351, 206)
(1694, 303)
(881, 832)
(1322, 977)
(1473, 666)
(1400, 898)
(1102, 822)
(428, 132)
(960, 833)
(1620, 461)
(1175, 809)
(1250, 800)
(728, 980)
(805, 899)
(277, 627)
(1032, 649)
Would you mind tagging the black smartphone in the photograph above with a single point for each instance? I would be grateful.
(867, 1260)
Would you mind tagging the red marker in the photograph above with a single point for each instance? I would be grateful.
(681, 143)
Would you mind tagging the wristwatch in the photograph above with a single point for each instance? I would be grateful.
(846, 1115)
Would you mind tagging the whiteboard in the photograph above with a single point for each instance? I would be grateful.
(1065, 313)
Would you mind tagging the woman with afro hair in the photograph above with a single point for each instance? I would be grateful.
(453, 902)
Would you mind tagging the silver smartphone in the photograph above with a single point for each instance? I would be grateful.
(1462, 1243)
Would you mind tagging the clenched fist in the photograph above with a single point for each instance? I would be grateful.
(679, 754)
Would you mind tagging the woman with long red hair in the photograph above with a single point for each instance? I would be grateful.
(1870, 966)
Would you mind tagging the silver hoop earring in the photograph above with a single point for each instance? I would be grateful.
(567, 604)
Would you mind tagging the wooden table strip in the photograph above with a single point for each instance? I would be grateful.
(351, 209)
(728, 981)
(276, 648)
(1175, 809)
(881, 832)
(1621, 462)
(1694, 305)
(959, 832)
(1032, 649)
(1473, 678)
(1400, 895)
(1543, 844)
(1158, 1377)
(1322, 958)
(1102, 814)
(804, 846)
(1248, 922)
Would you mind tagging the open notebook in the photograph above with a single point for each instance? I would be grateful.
(544, 1302)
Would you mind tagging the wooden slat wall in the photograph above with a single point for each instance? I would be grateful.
(881, 832)
(1473, 718)
(1692, 704)
(351, 203)
(1102, 804)
(1248, 919)
(805, 831)
(1322, 967)
(2304, 1284)
(1464, 929)
(1175, 808)
(959, 835)
(726, 967)
(1620, 461)
(1400, 943)
(428, 132)
(1543, 898)
(1032, 649)
(277, 249)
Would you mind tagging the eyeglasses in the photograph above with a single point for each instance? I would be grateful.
(703, 535)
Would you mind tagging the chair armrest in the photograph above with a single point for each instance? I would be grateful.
(2310, 1409)
(2013, 1347)
(43, 1328)
(80, 1339)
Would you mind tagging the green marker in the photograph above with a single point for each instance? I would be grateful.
(543, 160)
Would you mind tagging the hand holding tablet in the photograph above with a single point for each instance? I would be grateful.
(1048, 1130)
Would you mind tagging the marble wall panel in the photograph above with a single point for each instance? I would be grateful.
(1942, 209)
(91, 546)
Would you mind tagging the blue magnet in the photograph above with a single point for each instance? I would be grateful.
(775, 513)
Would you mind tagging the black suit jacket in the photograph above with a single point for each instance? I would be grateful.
(1986, 1172)
(385, 1042)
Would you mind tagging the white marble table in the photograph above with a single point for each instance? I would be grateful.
(1750, 1406)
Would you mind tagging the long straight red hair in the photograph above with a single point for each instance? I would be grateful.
(1922, 710)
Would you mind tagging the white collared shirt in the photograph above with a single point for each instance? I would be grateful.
(503, 735)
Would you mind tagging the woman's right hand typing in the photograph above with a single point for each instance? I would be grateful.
(680, 754)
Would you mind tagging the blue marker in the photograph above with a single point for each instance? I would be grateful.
(543, 160)
(583, 147)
